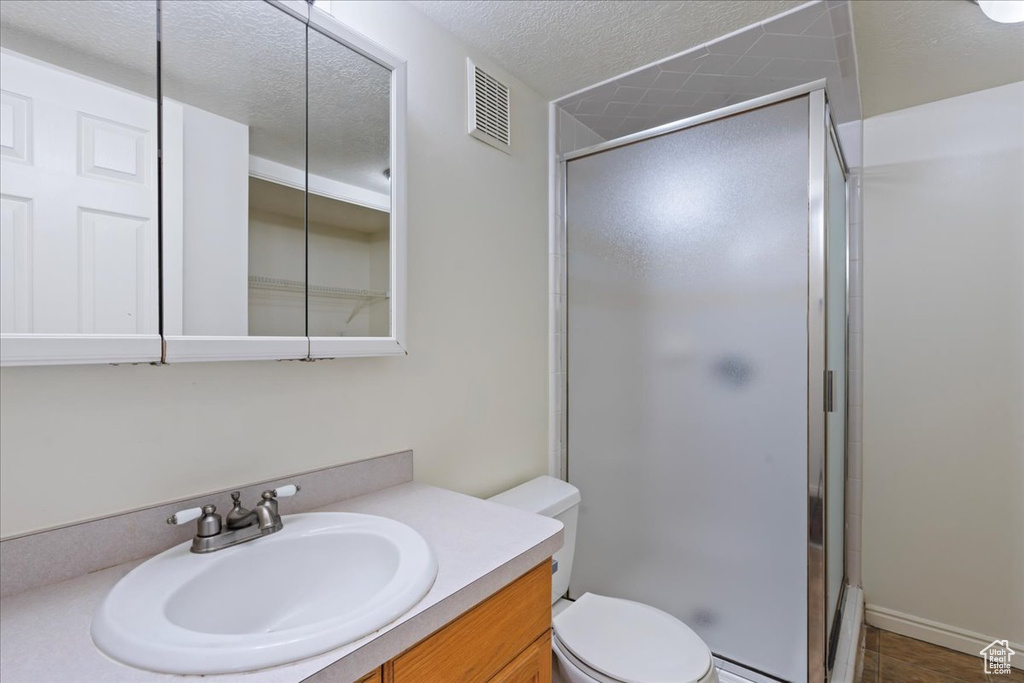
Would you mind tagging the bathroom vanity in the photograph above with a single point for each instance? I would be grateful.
(485, 618)
(506, 638)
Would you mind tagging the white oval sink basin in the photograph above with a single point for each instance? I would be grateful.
(325, 580)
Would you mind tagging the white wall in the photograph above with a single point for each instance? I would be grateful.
(944, 366)
(470, 398)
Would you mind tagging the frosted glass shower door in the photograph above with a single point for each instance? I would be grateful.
(687, 367)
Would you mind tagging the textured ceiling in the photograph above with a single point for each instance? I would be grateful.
(908, 51)
(245, 61)
(111, 41)
(914, 51)
(560, 47)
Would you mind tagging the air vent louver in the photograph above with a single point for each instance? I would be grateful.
(489, 112)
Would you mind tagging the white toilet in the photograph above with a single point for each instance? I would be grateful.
(597, 638)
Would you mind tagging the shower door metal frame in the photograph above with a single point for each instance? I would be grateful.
(820, 130)
(817, 344)
(832, 630)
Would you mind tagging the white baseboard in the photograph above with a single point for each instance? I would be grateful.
(959, 639)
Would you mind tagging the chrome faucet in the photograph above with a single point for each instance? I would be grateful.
(241, 525)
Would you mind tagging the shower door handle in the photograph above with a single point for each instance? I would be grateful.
(829, 403)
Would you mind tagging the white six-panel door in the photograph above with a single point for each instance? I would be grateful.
(79, 209)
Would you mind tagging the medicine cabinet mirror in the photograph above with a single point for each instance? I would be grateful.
(78, 183)
(256, 213)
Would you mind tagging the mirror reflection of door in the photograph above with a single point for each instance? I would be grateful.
(78, 168)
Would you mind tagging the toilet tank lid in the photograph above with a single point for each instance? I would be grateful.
(543, 496)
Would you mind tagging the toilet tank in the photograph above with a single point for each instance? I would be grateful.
(552, 498)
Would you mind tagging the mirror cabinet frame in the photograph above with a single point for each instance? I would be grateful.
(76, 349)
(339, 347)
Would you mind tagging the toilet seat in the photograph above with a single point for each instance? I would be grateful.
(618, 640)
(568, 661)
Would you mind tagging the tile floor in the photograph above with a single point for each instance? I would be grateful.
(892, 658)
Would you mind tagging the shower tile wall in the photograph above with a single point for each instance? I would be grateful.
(815, 41)
(573, 135)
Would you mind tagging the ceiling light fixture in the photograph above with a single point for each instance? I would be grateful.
(1003, 11)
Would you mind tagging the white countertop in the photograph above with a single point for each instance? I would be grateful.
(480, 548)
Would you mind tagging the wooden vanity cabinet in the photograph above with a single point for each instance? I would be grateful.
(532, 666)
(504, 639)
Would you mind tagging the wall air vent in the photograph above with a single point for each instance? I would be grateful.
(489, 107)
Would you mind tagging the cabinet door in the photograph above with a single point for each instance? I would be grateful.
(372, 677)
(481, 643)
(282, 185)
(356, 161)
(233, 89)
(78, 188)
(532, 666)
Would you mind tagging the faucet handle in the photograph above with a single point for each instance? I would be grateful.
(238, 515)
(185, 516)
(286, 491)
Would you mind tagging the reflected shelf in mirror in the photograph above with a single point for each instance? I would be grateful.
(283, 285)
(363, 298)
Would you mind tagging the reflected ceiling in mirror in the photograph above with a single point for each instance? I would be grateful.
(350, 115)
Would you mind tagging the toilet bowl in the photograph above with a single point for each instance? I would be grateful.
(601, 639)
(597, 638)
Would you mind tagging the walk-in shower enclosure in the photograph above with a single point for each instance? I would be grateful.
(706, 361)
